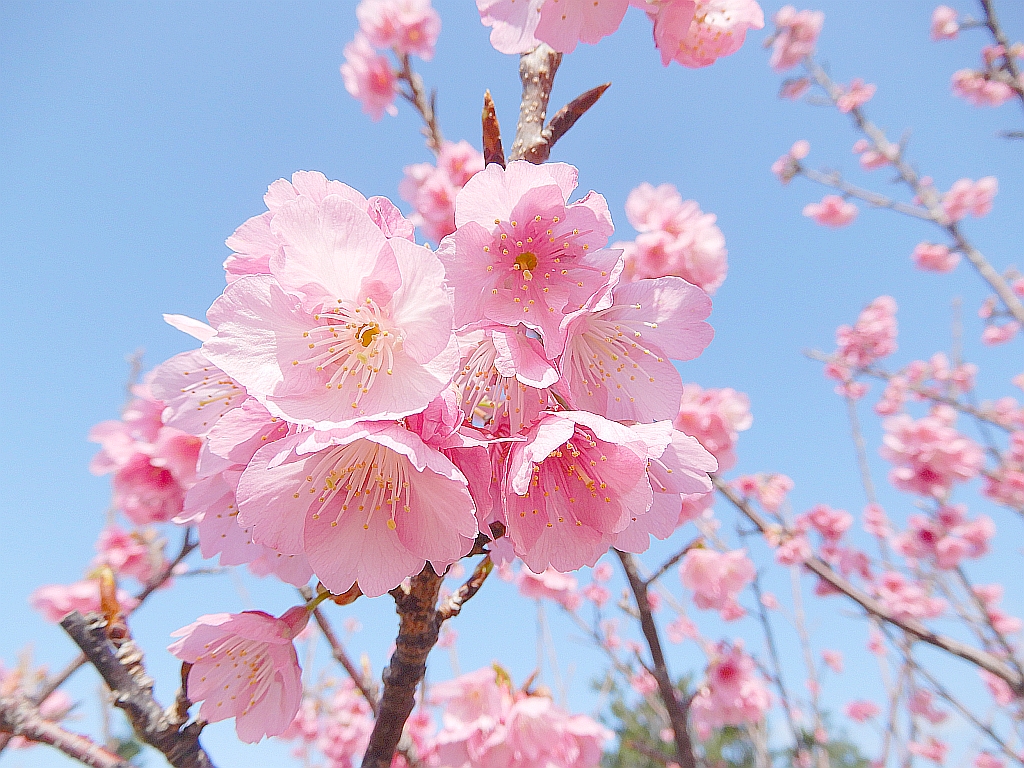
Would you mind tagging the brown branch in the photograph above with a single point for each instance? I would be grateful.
(911, 626)
(20, 717)
(424, 105)
(452, 605)
(1009, 60)
(132, 691)
(677, 710)
(835, 180)
(537, 73)
(493, 151)
(663, 568)
(419, 624)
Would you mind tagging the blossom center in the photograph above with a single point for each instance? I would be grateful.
(526, 261)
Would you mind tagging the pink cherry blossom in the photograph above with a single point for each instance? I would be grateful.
(244, 666)
(138, 554)
(522, 253)
(576, 480)
(793, 550)
(870, 339)
(787, 166)
(676, 238)
(55, 601)
(348, 325)
(371, 503)
(931, 749)
(769, 490)
(1000, 334)
(550, 585)
(617, 359)
(715, 417)
(944, 23)
(797, 32)
(928, 453)
(861, 711)
(833, 660)
(699, 36)
(935, 258)
(432, 189)
(1001, 692)
(832, 211)
(979, 89)
(794, 87)
(870, 158)
(947, 538)
(518, 27)
(857, 95)
(907, 599)
(1005, 484)
(407, 26)
(986, 760)
(717, 578)
(369, 78)
(830, 523)
(733, 694)
(966, 196)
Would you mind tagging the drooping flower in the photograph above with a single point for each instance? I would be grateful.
(521, 253)
(979, 89)
(349, 324)
(944, 23)
(935, 258)
(244, 666)
(549, 585)
(369, 78)
(858, 94)
(371, 503)
(967, 196)
(861, 711)
(138, 554)
(715, 417)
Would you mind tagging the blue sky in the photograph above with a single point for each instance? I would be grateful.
(137, 136)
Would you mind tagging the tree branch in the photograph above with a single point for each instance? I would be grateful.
(132, 691)
(452, 605)
(20, 717)
(424, 105)
(537, 73)
(677, 710)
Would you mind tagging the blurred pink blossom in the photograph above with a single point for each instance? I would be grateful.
(832, 211)
(796, 34)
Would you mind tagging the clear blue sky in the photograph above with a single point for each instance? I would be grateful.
(137, 136)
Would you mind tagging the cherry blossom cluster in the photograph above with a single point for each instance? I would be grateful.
(432, 189)
(695, 33)
(872, 338)
(676, 238)
(732, 694)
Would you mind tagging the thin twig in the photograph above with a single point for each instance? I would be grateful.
(20, 717)
(452, 605)
(424, 105)
(662, 569)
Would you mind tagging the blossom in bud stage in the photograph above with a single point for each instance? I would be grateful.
(980, 90)
(520, 26)
(369, 78)
(715, 417)
(861, 711)
(244, 666)
(929, 454)
(933, 257)
(967, 196)
(1000, 334)
(944, 23)
(371, 503)
(857, 95)
(833, 660)
(832, 211)
(576, 480)
(522, 253)
(407, 26)
(986, 760)
(549, 585)
(732, 694)
(999, 688)
(349, 324)
(794, 87)
(676, 238)
(716, 578)
(55, 601)
(787, 166)
(432, 189)
(796, 34)
(698, 35)
(617, 358)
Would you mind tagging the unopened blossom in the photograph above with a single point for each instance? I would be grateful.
(947, 538)
(550, 585)
(55, 601)
(369, 78)
(616, 360)
(797, 32)
(1000, 334)
(717, 578)
(348, 325)
(432, 189)
(794, 87)
(833, 660)
(244, 666)
(699, 36)
(967, 196)
(980, 90)
(372, 503)
(787, 166)
(715, 417)
(870, 158)
(522, 254)
(1002, 622)
(53, 708)
(931, 749)
(407, 26)
(858, 94)
(676, 238)
(987, 760)
(832, 211)
(575, 481)
(928, 453)
(907, 599)
(935, 257)
(1001, 692)
(861, 711)
(518, 26)
(732, 694)
(944, 23)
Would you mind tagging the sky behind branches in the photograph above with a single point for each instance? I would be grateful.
(137, 136)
